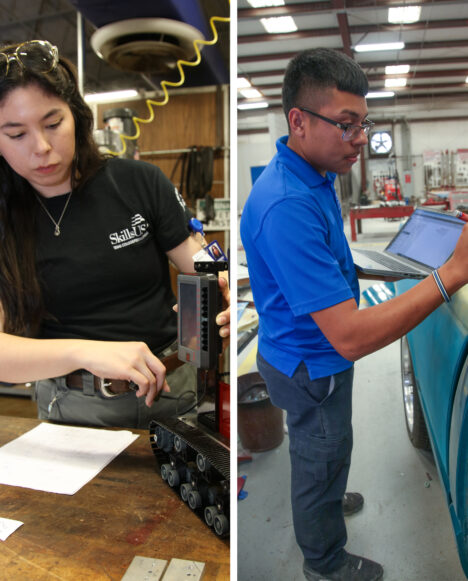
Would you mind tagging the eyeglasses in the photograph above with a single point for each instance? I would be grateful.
(37, 56)
(350, 132)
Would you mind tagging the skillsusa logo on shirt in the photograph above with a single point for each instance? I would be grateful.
(180, 199)
(137, 231)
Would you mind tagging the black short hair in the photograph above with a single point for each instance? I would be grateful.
(320, 69)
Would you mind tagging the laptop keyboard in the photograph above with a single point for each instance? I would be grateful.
(388, 261)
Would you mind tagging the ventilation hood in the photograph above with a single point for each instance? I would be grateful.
(149, 37)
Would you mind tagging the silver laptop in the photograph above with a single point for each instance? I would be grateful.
(424, 243)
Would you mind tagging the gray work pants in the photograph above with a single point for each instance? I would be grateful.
(59, 403)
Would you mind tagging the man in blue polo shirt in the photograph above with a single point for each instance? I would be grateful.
(307, 296)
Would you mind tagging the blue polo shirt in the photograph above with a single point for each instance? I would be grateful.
(299, 262)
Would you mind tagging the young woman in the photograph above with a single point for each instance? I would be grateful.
(85, 244)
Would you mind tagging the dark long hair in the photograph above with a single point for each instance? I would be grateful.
(20, 292)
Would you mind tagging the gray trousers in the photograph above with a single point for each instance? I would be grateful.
(59, 403)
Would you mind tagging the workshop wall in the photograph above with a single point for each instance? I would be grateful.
(252, 150)
(437, 136)
(256, 149)
(194, 118)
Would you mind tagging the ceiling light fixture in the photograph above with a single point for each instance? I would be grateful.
(399, 82)
(379, 46)
(243, 83)
(404, 14)
(380, 94)
(111, 96)
(264, 3)
(397, 69)
(251, 93)
(279, 24)
(253, 105)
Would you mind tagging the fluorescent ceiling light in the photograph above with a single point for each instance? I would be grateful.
(251, 93)
(397, 69)
(243, 83)
(379, 94)
(253, 105)
(279, 24)
(404, 14)
(379, 46)
(263, 3)
(111, 96)
(466, 80)
(399, 82)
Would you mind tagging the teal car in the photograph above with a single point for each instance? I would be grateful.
(434, 367)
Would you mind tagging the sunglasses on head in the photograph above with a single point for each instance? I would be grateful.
(37, 56)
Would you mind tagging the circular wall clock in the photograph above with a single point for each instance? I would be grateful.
(381, 142)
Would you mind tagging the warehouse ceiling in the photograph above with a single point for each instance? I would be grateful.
(436, 48)
(56, 21)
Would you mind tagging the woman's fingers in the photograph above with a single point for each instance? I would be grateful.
(154, 374)
(130, 361)
(223, 318)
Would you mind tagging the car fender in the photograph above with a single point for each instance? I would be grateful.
(439, 351)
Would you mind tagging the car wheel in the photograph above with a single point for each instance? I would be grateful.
(415, 423)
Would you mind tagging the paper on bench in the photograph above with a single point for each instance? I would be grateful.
(60, 459)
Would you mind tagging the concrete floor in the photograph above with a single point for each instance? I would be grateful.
(405, 523)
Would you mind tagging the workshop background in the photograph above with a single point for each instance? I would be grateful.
(127, 519)
(427, 118)
(195, 116)
(417, 156)
(189, 135)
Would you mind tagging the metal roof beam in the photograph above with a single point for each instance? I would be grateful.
(28, 22)
(343, 26)
(424, 74)
(415, 87)
(411, 46)
(358, 29)
(275, 103)
(322, 7)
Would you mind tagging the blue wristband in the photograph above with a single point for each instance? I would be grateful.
(443, 292)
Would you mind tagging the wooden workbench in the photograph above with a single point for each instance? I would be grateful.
(126, 510)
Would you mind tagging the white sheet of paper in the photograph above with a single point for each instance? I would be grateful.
(60, 459)
(8, 526)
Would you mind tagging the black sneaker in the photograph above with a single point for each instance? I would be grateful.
(352, 502)
(354, 569)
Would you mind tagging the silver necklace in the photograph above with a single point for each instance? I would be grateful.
(57, 224)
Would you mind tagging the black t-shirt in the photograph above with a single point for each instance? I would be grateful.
(107, 275)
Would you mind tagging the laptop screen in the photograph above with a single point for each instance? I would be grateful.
(428, 237)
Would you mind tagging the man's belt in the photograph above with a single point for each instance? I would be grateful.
(113, 387)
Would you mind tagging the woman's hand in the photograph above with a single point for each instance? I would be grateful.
(224, 317)
(130, 361)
